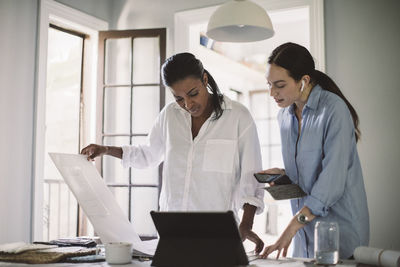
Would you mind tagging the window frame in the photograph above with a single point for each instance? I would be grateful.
(101, 85)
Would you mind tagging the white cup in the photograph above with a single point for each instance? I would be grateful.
(118, 252)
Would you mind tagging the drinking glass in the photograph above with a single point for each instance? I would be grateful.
(326, 243)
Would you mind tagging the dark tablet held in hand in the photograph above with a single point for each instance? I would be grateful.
(278, 179)
(283, 187)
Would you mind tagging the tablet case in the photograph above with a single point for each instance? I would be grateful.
(287, 191)
(198, 239)
(278, 179)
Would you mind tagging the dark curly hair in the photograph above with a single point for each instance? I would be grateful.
(181, 66)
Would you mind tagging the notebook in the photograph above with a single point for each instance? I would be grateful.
(198, 239)
(98, 203)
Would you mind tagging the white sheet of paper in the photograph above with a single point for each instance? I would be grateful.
(287, 262)
(97, 201)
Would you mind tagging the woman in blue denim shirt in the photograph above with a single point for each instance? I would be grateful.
(319, 134)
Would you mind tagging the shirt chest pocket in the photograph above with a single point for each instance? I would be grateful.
(219, 155)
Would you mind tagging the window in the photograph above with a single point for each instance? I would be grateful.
(65, 102)
(129, 94)
(130, 97)
(264, 111)
(63, 127)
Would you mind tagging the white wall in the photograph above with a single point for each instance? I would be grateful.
(362, 55)
(102, 9)
(17, 79)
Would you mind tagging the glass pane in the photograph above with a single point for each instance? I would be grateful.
(69, 205)
(276, 157)
(113, 172)
(60, 211)
(121, 195)
(265, 157)
(147, 176)
(274, 132)
(145, 108)
(144, 200)
(62, 96)
(46, 213)
(146, 60)
(117, 62)
(63, 92)
(53, 212)
(259, 105)
(273, 108)
(117, 104)
(263, 132)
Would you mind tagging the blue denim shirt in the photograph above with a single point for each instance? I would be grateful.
(324, 162)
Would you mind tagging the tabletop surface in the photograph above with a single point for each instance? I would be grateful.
(284, 262)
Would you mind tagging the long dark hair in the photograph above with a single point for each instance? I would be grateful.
(298, 61)
(184, 65)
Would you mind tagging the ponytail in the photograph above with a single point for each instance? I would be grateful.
(329, 85)
(298, 61)
(217, 97)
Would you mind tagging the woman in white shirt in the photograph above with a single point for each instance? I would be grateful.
(209, 146)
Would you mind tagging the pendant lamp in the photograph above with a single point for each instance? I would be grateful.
(239, 21)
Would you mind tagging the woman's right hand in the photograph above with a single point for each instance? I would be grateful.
(274, 171)
(92, 151)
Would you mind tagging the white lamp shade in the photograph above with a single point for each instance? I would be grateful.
(239, 21)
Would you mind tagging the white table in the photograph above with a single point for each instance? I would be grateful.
(285, 262)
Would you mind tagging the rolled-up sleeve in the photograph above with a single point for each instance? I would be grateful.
(330, 184)
(250, 191)
(148, 155)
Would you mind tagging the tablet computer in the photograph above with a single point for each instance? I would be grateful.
(198, 239)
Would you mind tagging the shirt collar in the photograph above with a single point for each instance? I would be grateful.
(227, 103)
(312, 101)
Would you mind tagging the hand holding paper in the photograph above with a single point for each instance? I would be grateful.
(97, 201)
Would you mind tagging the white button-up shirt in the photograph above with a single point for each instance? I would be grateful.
(213, 171)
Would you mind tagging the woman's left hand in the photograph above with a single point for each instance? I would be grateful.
(281, 245)
(247, 233)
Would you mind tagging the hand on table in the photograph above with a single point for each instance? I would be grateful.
(247, 233)
(281, 245)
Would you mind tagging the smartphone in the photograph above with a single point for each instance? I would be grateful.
(265, 177)
(278, 179)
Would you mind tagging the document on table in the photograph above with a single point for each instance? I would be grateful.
(286, 262)
(98, 203)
